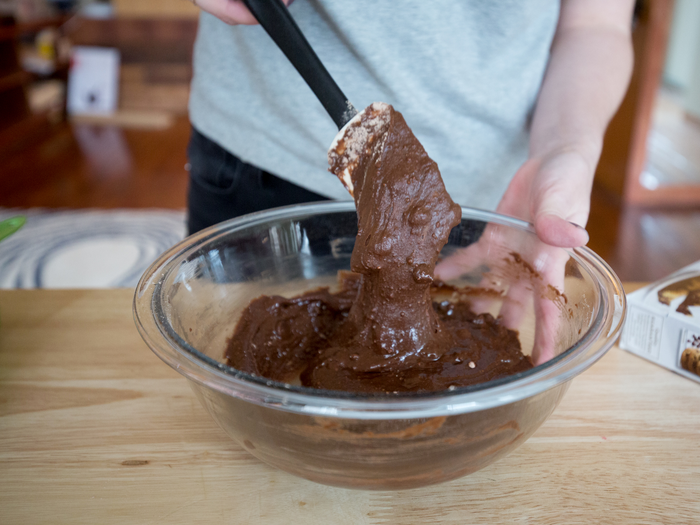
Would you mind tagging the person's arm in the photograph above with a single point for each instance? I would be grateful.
(586, 78)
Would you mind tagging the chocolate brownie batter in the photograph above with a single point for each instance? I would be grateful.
(382, 332)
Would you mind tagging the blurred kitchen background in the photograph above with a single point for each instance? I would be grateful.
(94, 128)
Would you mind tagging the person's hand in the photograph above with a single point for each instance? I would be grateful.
(529, 278)
(554, 194)
(587, 74)
(233, 12)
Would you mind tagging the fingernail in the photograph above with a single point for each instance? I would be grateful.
(588, 237)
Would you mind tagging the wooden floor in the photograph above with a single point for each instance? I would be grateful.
(643, 244)
(91, 166)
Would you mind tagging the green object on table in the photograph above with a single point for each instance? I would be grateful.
(11, 225)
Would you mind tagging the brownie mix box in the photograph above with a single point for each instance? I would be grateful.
(663, 322)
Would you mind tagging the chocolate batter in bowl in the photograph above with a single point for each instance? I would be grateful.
(384, 331)
(187, 303)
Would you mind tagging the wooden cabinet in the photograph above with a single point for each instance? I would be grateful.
(17, 123)
(624, 155)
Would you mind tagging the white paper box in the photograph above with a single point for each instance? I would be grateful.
(93, 82)
(667, 334)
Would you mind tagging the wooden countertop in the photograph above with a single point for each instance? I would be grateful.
(94, 428)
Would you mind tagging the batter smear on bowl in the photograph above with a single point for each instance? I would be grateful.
(383, 332)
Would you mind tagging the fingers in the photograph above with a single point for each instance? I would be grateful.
(233, 12)
(514, 306)
(458, 263)
(548, 318)
(466, 259)
(533, 302)
(550, 305)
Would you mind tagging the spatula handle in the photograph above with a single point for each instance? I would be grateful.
(274, 17)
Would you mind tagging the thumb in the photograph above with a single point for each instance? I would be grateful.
(561, 201)
(554, 230)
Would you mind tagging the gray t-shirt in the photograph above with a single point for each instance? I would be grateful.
(464, 73)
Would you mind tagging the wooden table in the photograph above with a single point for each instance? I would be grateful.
(95, 429)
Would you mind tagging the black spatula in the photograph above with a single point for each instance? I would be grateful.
(274, 18)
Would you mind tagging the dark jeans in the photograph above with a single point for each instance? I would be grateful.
(222, 186)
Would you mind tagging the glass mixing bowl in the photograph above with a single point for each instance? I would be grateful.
(567, 306)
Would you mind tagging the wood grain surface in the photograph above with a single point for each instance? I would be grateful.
(95, 429)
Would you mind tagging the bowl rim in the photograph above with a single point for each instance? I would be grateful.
(149, 316)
